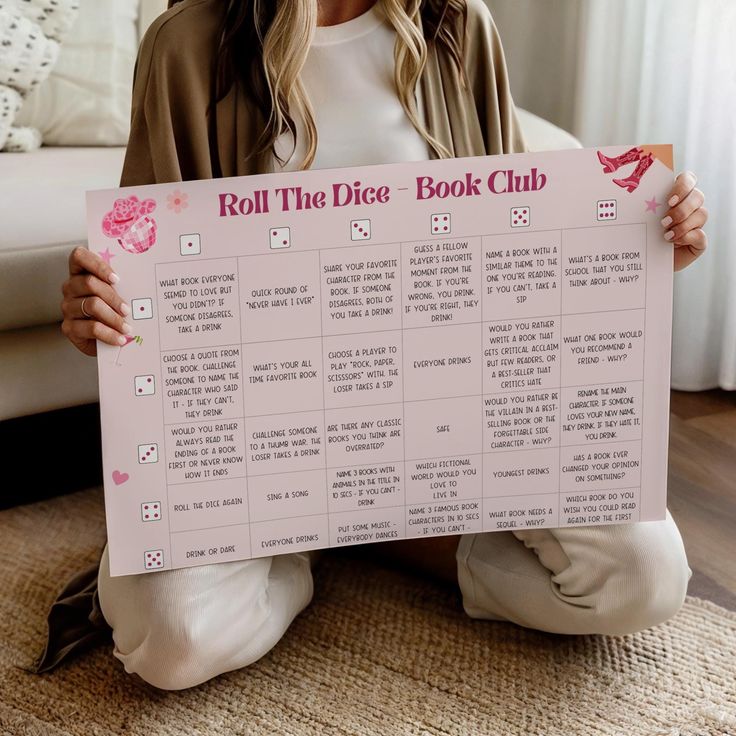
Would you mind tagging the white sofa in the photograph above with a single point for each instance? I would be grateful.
(42, 203)
(42, 199)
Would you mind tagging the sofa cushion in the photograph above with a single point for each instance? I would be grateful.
(541, 135)
(46, 220)
(41, 370)
(86, 99)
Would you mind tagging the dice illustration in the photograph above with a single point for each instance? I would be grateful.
(521, 216)
(279, 237)
(151, 511)
(440, 223)
(153, 559)
(144, 385)
(360, 229)
(142, 308)
(190, 245)
(148, 454)
(607, 209)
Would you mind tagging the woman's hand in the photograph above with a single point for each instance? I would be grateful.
(683, 222)
(90, 281)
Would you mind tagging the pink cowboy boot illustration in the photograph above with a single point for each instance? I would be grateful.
(631, 182)
(611, 164)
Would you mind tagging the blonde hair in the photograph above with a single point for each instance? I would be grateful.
(285, 47)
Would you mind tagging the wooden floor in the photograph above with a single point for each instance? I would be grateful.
(702, 489)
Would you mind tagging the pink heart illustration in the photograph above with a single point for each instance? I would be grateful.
(119, 477)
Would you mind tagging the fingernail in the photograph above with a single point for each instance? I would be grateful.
(669, 235)
(666, 221)
(114, 278)
(121, 340)
(673, 200)
(127, 329)
(125, 309)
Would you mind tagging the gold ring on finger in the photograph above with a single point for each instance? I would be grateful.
(87, 316)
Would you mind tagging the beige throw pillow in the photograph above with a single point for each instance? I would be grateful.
(86, 99)
(30, 32)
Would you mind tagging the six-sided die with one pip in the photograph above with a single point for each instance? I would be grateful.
(279, 237)
(144, 385)
(153, 559)
(151, 511)
(521, 217)
(360, 229)
(148, 454)
(607, 209)
(190, 244)
(440, 223)
(142, 308)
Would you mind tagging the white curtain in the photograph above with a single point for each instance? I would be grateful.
(660, 71)
(650, 71)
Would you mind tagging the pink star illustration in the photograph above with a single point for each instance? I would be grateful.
(106, 255)
(652, 204)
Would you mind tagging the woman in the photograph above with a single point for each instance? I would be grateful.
(232, 88)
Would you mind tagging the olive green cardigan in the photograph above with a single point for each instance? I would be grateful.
(172, 138)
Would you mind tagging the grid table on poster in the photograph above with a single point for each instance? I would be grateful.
(307, 374)
(466, 502)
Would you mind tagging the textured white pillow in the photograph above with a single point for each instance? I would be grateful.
(30, 31)
(86, 99)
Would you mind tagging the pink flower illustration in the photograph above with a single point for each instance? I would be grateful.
(177, 201)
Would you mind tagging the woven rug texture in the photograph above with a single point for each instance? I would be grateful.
(377, 651)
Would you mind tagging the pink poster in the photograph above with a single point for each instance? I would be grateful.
(351, 355)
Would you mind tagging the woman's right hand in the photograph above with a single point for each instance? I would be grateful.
(92, 278)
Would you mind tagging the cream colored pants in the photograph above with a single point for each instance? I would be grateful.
(178, 628)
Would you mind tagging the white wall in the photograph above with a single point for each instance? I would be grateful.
(540, 39)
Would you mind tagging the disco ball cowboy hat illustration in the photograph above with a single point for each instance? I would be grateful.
(128, 222)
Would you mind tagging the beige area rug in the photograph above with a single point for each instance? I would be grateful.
(376, 652)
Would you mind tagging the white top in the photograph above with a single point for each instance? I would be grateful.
(349, 79)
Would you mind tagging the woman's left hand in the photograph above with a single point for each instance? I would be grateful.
(683, 222)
